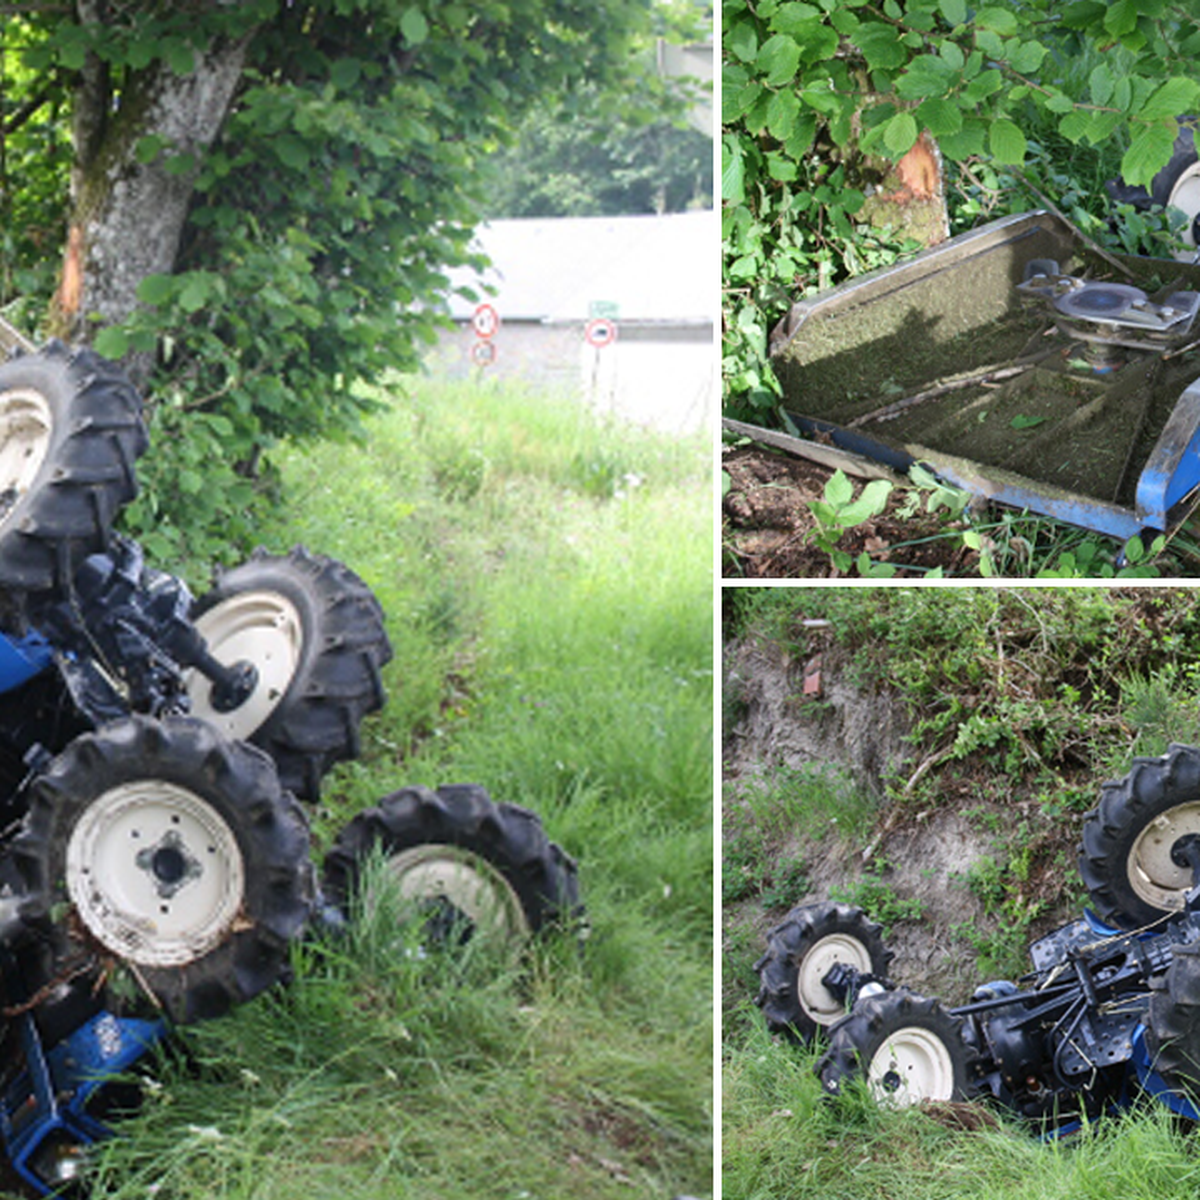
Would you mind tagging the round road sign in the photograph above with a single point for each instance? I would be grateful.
(485, 321)
(483, 354)
(600, 332)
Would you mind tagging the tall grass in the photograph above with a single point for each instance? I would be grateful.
(783, 1138)
(547, 580)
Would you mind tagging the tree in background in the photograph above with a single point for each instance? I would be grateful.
(585, 166)
(263, 199)
(816, 95)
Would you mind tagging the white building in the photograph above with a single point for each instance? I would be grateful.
(618, 311)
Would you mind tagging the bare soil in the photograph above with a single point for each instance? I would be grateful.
(924, 851)
(768, 527)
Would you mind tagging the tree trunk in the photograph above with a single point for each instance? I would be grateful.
(128, 215)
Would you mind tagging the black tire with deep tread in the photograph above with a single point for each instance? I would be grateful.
(338, 679)
(507, 837)
(236, 780)
(789, 942)
(1173, 1026)
(1152, 787)
(856, 1038)
(95, 438)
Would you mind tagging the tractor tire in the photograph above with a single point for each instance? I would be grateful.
(907, 1048)
(1129, 856)
(315, 634)
(800, 952)
(1176, 186)
(1173, 1026)
(165, 848)
(480, 866)
(70, 433)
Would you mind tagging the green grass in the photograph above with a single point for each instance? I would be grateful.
(547, 581)
(783, 1138)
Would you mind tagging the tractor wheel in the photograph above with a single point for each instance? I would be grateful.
(164, 848)
(908, 1049)
(1173, 1033)
(471, 865)
(70, 433)
(800, 952)
(314, 633)
(1131, 855)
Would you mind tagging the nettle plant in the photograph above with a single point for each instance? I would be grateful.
(815, 95)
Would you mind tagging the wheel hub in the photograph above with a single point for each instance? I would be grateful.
(463, 894)
(260, 629)
(912, 1065)
(155, 873)
(25, 427)
(1158, 867)
(817, 1001)
(169, 864)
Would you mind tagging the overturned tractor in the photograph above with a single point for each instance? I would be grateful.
(156, 752)
(1110, 1008)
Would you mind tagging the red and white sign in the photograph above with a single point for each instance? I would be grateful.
(486, 321)
(483, 354)
(600, 332)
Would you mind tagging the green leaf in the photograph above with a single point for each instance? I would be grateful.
(778, 59)
(195, 293)
(792, 18)
(985, 84)
(782, 112)
(733, 171)
(844, 21)
(928, 75)
(872, 500)
(940, 116)
(955, 12)
(838, 489)
(1148, 154)
(1175, 98)
(1021, 421)
(998, 20)
(112, 342)
(345, 73)
(156, 289)
(1074, 126)
(900, 134)
(1027, 57)
(1006, 142)
(968, 143)
(1121, 17)
(414, 26)
(741, 40)
(180, 56)
(881, 46)
(1101, 83)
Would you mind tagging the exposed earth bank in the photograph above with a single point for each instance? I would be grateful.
(926, 845)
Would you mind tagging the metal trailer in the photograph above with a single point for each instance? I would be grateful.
(1016, 363)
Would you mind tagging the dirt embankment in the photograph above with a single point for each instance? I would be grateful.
(912, 853)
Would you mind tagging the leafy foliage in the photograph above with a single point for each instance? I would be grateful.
(348, 175)
(581, 164)
(813, 91)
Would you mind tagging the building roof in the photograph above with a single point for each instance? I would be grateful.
(660, 269)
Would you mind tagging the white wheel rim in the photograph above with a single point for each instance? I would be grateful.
(817, 1001)
(1185, 196)
(155, 873)
(1153, 875)
(473, 887)
(25, 428)
(912, 1065)
(261, 627)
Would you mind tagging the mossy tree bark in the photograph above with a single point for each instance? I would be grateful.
(137, 151)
